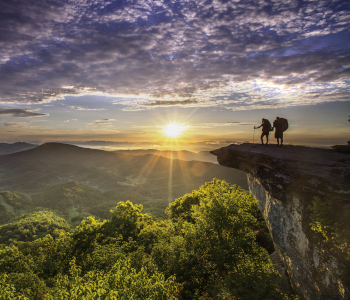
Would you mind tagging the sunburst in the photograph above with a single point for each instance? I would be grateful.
(173, 130)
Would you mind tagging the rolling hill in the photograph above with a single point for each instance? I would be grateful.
(151, 180)
(6, 148)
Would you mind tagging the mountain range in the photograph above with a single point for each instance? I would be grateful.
(6, 148)
(148, 179)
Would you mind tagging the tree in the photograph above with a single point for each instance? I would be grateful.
(127, 220)
(121, 282)
(215, 251)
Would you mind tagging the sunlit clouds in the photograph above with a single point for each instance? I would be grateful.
(176, 53)
(123, 69)
(21, 113)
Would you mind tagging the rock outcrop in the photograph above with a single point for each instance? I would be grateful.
(285, 181)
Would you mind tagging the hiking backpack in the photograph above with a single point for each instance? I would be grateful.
(268, 124)
(284, 123)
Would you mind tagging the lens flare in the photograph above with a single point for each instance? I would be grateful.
(173, 130)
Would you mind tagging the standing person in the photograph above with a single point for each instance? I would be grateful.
(266, 126)
(280, 125)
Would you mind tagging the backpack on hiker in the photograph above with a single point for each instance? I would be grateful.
(284, 123)
(268, 124)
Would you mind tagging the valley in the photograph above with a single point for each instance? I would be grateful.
(61, 176)
(66, 208)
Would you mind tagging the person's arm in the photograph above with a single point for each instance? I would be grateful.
(259, 126)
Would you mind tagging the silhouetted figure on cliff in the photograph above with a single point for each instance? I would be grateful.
(266, 126)
(280, 125)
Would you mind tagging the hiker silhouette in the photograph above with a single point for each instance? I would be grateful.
(280, 125)
(266, 127)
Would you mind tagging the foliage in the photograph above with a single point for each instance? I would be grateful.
(68, 194)
(17, 200)
(29, 227)
(216, 251)
(19, 269)
(181, 208)
(4, 215)
(127, 220)
(121, 282)
(7, 290)
(207, 250)
(331, 222)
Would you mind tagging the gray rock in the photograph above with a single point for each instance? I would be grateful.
(285, 181)
(341, 148)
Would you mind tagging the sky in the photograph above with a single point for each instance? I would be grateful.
(114, 74)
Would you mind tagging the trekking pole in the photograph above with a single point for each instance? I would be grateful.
(254, 134)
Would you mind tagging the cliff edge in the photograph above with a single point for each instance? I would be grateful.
(285, 180)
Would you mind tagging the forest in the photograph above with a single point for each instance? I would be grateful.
(214, 245)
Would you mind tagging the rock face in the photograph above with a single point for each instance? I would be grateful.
(285, 181)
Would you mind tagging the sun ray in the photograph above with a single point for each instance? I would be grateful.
(170, 180)
(149, 165)
(185, 171)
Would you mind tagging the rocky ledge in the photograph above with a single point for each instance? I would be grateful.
(285, 180)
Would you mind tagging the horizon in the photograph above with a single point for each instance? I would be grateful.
(110, 146)
(123, 73)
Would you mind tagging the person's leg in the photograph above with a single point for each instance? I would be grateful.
(267, 139)
(278, 142)
(262, 141)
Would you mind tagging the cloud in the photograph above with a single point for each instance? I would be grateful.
(82, 108)
(160, 103)
(103, 122)
(15, 124)
(223, 124)
(185, 50)
(21, 113)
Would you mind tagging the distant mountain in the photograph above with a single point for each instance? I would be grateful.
(53, 163)
(148, 179)
(182, 155)
(6, 148)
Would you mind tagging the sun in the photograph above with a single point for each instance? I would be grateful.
(173, 130)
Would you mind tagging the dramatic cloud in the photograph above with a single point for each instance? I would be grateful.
(264, 53)
(20, 113)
